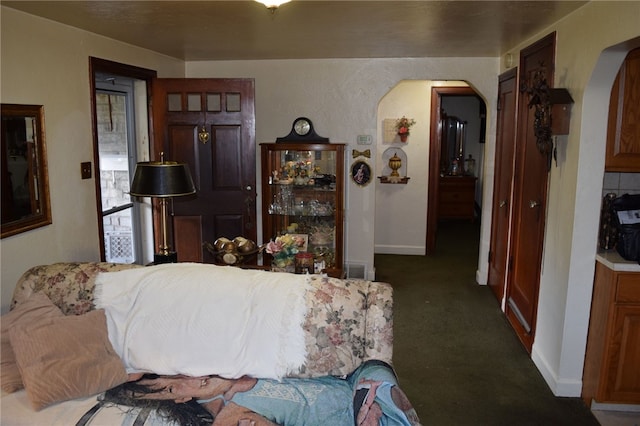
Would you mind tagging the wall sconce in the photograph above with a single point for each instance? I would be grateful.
(163, 180)
(552, 112)
(272, 5)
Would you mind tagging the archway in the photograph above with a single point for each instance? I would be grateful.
(401, 224)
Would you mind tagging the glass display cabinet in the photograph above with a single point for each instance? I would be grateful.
(303, 196)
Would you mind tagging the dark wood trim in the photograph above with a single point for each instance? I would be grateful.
(434, 158)
(97, 65)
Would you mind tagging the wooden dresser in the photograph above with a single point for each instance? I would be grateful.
(456, 197)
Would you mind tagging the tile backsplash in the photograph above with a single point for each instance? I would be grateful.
(621, 183)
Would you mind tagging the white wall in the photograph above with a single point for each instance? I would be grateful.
(341, 97)
(575, 184)
(48, 65)
(401, 210)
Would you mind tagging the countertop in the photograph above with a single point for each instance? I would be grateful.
(612, 260)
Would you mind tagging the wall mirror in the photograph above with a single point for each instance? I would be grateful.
(25, 182)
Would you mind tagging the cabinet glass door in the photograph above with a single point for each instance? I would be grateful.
(303, 193)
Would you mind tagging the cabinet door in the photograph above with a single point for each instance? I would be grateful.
(303, 187)
(622, 377)
(623, 132)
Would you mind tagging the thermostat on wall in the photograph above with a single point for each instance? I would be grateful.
(364, 139)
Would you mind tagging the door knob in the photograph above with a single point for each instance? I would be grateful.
(533, 204)
(502, 203)
(248, 188)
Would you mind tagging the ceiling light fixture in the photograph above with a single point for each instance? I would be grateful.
(272, 5)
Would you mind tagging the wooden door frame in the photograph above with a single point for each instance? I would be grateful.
(435, 143)
(97, 65)
(500, 291)
(526, 337)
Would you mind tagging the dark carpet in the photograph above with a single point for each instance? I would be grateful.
(457, 358)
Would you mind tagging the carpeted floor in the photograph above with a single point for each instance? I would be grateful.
(456, 356)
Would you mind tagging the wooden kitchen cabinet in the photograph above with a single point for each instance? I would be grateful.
(456, 197)
(612, 361)
(623, 131)
(303, 193)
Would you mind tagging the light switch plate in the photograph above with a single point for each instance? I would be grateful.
(85, 170)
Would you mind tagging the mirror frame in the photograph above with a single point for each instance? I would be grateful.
(42, 215)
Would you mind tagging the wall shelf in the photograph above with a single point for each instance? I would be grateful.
(389, 179)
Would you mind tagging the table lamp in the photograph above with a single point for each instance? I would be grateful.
(163, 180)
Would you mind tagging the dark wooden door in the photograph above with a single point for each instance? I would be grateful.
(530, 200)
(210, 125)
(503, 181)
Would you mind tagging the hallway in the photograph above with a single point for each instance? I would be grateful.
(457, 357)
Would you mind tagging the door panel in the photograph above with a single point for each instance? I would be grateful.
(529, 202)
(210, 125)
(501, 209)
(188, 236)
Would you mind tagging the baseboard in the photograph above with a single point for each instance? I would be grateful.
(601, 406)
(360, 270)
(404, 250)
(559, 387)
(355, 270)
(481, 277)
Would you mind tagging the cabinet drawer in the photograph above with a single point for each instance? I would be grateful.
(456, 197)
(628, 288)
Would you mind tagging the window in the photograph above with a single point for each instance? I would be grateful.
(117, 153)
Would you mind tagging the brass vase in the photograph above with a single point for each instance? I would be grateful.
(395, 163)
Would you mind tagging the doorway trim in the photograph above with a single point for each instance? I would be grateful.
(434, 157)
(98, 65)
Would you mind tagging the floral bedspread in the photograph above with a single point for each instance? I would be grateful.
(348, 320)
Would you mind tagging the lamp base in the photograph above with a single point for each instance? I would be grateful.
(171, 257)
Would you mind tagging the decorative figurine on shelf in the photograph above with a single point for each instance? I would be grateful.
(470, 166)
(402, 127)
(284, 249)
(395, 163)
(455, 168)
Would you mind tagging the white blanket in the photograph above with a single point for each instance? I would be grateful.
(197, 319)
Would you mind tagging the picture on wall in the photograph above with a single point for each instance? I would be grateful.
(361, 173)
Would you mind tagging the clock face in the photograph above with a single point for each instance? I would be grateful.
(302, 126)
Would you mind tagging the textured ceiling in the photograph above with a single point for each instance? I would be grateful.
(302, 29)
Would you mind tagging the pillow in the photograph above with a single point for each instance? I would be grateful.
(38, 305)
(65, 358)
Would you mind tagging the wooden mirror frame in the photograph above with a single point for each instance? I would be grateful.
(37, 208)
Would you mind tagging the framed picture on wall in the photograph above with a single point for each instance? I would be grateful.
(361, 173)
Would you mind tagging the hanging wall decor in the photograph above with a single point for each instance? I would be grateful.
(552, 112)
(394, 166)
(403, 126)
(361, 173)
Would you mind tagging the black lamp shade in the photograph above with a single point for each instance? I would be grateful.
(162, 180)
